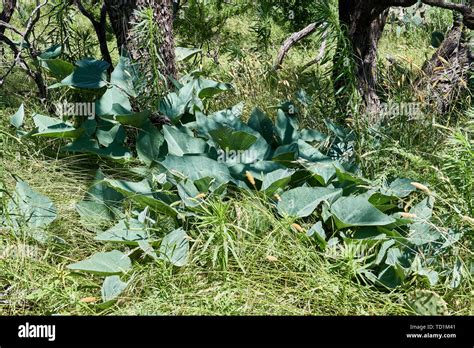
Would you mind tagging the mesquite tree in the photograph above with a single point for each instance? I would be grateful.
(364, 21)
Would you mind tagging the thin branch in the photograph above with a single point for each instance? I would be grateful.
(294, 38)
(99, 28)
(466, 10)
(322, 51)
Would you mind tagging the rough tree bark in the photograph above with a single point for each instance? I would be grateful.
(7, 13)
(123, 16)
(446, 72)
(363, 22)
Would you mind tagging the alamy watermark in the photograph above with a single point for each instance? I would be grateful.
(65, 109)
(237, 156)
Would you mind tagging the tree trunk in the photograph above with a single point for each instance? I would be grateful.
(7, 13)
(446, 73)
(363, 22)
(123, 17)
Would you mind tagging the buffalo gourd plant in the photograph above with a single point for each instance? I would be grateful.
(303, 173)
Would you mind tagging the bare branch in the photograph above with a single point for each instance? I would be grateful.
(466, 11)
(99, 28)
(322, 51)
(294, 38)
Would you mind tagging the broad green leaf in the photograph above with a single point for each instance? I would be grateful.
(180, 144)
(311, 135)
(423, 233)
(142, 193)
(52, 52)
(130, 119)
(151, 144)
(30, 207)
(58, 68)
(317, 231)
(197, 167)
(400, 188)
(183, 53)
(128, 232)
(258, 169)
(424, 209)
(94, 213)
(310, 153)
(108, 263)
(261, 123)
(174, 106)
(85, 144)
(189, 193)
(89, 73)
(54, 128)
(124, 76)
(232, 140)
(322, 171)
(17, 119)
(175, 248)
(357, 211)
(107, 133)
(276, 180)
(113, 102)
(286, 154)
(205, 88)
(112, 287)
(302, 201)
(284, 129)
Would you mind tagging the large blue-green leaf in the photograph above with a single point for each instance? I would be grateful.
(85, 144)
(89, 73)
(232, 140)
(112, 287)
(399, 188)
(323, 171)
(58, 68)
(197, 167)
(286, 154)
(174, 106)
(108, 133)
(260, 122)
(311, 135)
(125, 231)
(285, 129)
(124, 76)
(30, 207)
(357, 211)
(180, 144)
(175, 248)
(310, 153)
(112, 262)
(151, 144)
(276, 180)
(258, 169)
(54, 128)
(100, 203)
(17, 119)
(302, 201)
(52, 52)
(317, 232)
(113, 102)
(183, 53)
(131, 119)
(142, 193)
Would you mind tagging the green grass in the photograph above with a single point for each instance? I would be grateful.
(245, 260)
